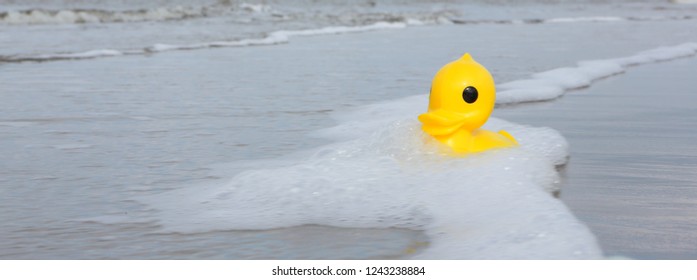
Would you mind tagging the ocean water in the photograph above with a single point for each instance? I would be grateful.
(287, 130)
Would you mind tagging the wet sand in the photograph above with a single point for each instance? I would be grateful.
(632, 174)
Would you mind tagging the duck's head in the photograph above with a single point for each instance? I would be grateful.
(462, 97)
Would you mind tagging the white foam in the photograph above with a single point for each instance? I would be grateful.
(87, 54)
(584, 19)
(658, 54)
(554, 83)
(341, 29)
(490, 205)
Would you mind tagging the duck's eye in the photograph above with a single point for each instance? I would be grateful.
(470, 94)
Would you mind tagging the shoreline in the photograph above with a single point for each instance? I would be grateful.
(610, 182)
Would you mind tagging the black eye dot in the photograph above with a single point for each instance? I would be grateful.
(470, 94)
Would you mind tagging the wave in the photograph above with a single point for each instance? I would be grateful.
(284, 36)
(273, 38)
(242, 12)
(554, 83)
(63, 56)
(44, 16)
(80, 16)
(584, 19)
(542, 86)
(571, 19)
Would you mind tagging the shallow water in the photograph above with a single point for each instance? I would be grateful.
(85, 139)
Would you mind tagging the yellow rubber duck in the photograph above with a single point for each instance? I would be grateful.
(462, 98)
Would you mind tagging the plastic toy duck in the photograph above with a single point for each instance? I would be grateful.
(462, 98)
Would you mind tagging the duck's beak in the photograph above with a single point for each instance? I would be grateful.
(442, 122)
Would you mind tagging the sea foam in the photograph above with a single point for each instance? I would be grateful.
(490, 205)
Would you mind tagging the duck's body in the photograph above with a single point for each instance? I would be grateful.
(462, 98)
(480, 140)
